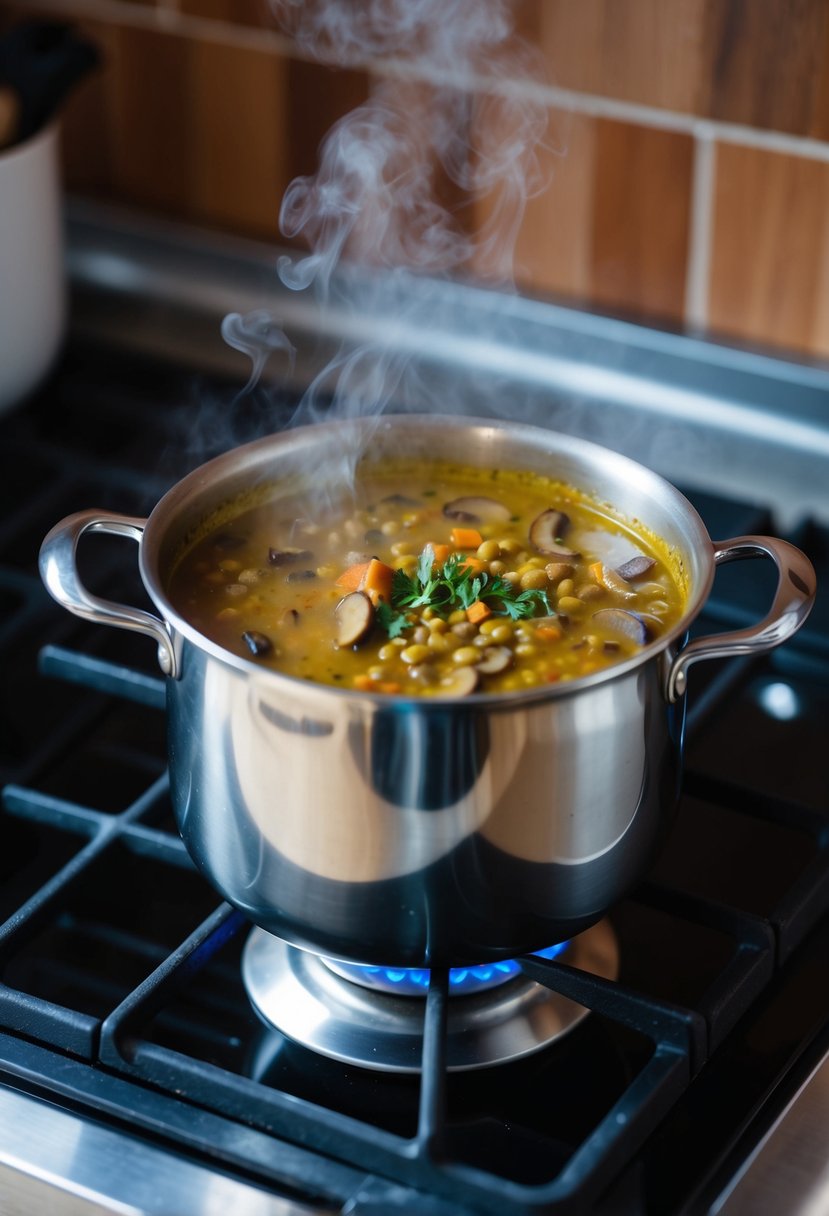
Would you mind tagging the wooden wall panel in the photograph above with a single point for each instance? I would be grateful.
(148, 91)
(640, 222)
(613, 225)
(196, 115)
(554, 251)
(316, 97)
(238, 133)
(647, 51)
(239, 12)
(764, 63)
(770, 280)
(768, 64)
(88, 134)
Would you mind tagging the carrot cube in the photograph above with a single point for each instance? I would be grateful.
(478, 612)
(441, 553)
(377, 581)
(466, 538)
(351, 579)
(475, 564)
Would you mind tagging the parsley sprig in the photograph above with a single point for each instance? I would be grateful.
(452, 585)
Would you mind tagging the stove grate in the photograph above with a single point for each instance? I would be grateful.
(116, 954)
(126, 1041)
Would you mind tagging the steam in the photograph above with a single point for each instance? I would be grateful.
(429, 177)
(257, 336)
(385, 170)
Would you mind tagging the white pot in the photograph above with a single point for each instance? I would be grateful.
(32, 280)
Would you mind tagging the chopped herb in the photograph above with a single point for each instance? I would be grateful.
(451, 586)
(393, 622)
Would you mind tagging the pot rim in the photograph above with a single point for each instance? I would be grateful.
(204, 479)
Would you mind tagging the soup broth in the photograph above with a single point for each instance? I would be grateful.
(434, 580)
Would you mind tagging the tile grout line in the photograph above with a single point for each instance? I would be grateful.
(700, 235)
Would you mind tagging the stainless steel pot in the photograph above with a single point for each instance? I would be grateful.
(415, 831)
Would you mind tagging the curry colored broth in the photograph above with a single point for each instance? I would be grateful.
(526, 582)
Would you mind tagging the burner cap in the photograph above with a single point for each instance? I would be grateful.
(312, 1001)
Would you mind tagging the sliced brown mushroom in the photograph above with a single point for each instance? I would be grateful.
(495, 660)
(631, 571)
(459, 683)
(623, 623)
(257, 643)
(354, 615)
(546, 531)
(475, 509)
(289, 557)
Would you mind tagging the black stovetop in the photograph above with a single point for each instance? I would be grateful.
(121, 992)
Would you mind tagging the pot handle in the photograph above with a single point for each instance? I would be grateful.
(792, 603)
(59, 572)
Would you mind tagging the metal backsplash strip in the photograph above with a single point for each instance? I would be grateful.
(697, 412)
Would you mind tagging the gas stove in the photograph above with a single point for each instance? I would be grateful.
(151, 1061)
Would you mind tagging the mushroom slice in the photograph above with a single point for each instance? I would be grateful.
(475, 509)
(623, 623)
(257, 643)
(631, 571)
(496, 659)
(545, 531)
(459, 683)
(617, 583)
(288, 557)
(354, 615)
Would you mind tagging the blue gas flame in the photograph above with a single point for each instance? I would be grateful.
(414, 981)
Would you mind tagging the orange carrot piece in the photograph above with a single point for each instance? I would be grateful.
(441, 553)
(351, 579)
(466, 538)
(363, 683)
(388, 686)
(377, 581)
(478, 612)
(597, 570)
(476, 564)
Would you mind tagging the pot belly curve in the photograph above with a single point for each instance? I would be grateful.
(408, 833)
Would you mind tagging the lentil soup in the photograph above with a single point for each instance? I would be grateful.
(435, 580)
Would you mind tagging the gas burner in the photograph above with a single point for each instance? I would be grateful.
(340, 1011)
